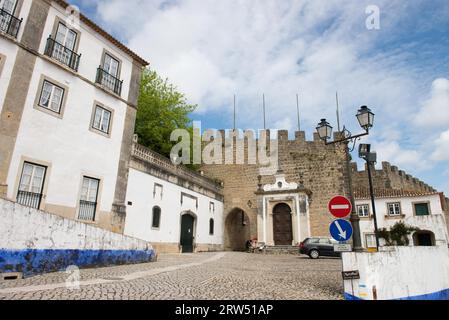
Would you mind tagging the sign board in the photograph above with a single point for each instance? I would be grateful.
(340, 207)
(351, 275)
(342, 247)
(341, 230)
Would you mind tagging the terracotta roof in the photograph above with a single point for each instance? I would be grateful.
(102, 32)
(361, 193)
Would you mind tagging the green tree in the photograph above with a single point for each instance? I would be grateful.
(161, 109)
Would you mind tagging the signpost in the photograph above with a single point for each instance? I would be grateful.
(341, 230)
(342, 247)
(340, 207)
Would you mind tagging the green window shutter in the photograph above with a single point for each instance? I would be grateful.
(422, 209)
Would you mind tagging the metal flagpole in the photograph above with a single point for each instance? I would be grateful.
(264, 119)
(338, 112)
(297, 109)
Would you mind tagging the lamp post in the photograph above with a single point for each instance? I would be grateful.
(365, 118)
(370, 158)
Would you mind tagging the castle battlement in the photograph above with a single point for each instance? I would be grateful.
(390, 177)
(281, 136)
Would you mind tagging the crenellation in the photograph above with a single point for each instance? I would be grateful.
(300, 136)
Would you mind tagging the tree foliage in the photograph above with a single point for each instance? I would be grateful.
(397, 235)
(161, 109)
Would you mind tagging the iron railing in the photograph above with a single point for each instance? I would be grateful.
(9, 24)
(62, 54)
(29, 199)
(87, 210)
(109, 81)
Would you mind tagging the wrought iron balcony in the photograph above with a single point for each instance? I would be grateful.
(62, 54)
(9, 24)
(109, 81)
(87, 210)
(29, 199)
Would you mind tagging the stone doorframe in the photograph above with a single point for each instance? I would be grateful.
(297, 197)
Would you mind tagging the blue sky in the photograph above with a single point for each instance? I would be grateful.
(213, 49)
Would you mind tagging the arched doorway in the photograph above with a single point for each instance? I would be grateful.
(187, 232)
(237, 230)
(424, 239)
(282, 225)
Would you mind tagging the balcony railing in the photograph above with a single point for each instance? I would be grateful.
(9, 24)
(109, 81)
(62, 54)
(87, 210)
(29, 199)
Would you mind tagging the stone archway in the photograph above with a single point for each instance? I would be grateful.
(237, 230)
(282, 225)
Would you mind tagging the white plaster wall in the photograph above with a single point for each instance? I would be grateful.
(139, 215)
(67, 143)
(91, 46)
(435, 223)
(23, 14)
(399, 273)
(8, 49)
(26, 228)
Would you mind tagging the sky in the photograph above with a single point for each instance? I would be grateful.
(213, 49)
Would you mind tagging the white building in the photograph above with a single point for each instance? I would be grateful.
(174, 208)
(68, 96)
(425, 211)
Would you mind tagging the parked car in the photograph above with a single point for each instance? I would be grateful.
(317, 247)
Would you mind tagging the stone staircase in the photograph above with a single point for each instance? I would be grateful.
(280, 250)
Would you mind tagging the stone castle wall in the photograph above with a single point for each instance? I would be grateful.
(319, 168)
(389, 177)
(316, 166)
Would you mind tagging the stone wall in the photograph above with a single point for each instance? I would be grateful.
(314, 165)
(34, 242)
(389, 177)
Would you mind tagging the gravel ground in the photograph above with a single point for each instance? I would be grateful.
(205, 276)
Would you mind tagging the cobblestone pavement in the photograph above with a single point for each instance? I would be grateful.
(205, 276)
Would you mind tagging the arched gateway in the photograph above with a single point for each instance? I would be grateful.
(237, 230)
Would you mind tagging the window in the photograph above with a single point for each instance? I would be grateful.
(363, 211)
(158, 190)
(62, 45)
(156, 218)
(8, 5)
(102, 119)
(422, 209)
(108, 74)
(111, 65)
(88, 201)
(66, 37)
(8, 22)
(31, 185)
(324, 241)
(211, 207)
(370, 240)
(211, 227)
(51, 97)
(394, 209)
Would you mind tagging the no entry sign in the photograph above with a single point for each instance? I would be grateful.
(340, 207)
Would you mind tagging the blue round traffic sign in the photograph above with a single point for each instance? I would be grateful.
(341, 230)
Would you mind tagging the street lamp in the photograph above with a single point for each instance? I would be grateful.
(370, 158)
(366, 120)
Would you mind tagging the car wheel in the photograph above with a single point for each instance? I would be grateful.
(314, 254)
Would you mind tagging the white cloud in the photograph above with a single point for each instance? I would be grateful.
(435, 111)
(213, 49)
(441, 152)
(406, 159)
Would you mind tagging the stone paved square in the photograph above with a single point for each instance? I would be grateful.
(205, 276)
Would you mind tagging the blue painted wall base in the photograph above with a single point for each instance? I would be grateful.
(34, 261)
(440, 295)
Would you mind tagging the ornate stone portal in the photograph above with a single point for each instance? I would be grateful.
(283, 212)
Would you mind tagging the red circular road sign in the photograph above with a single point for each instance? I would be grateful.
(340, 207)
